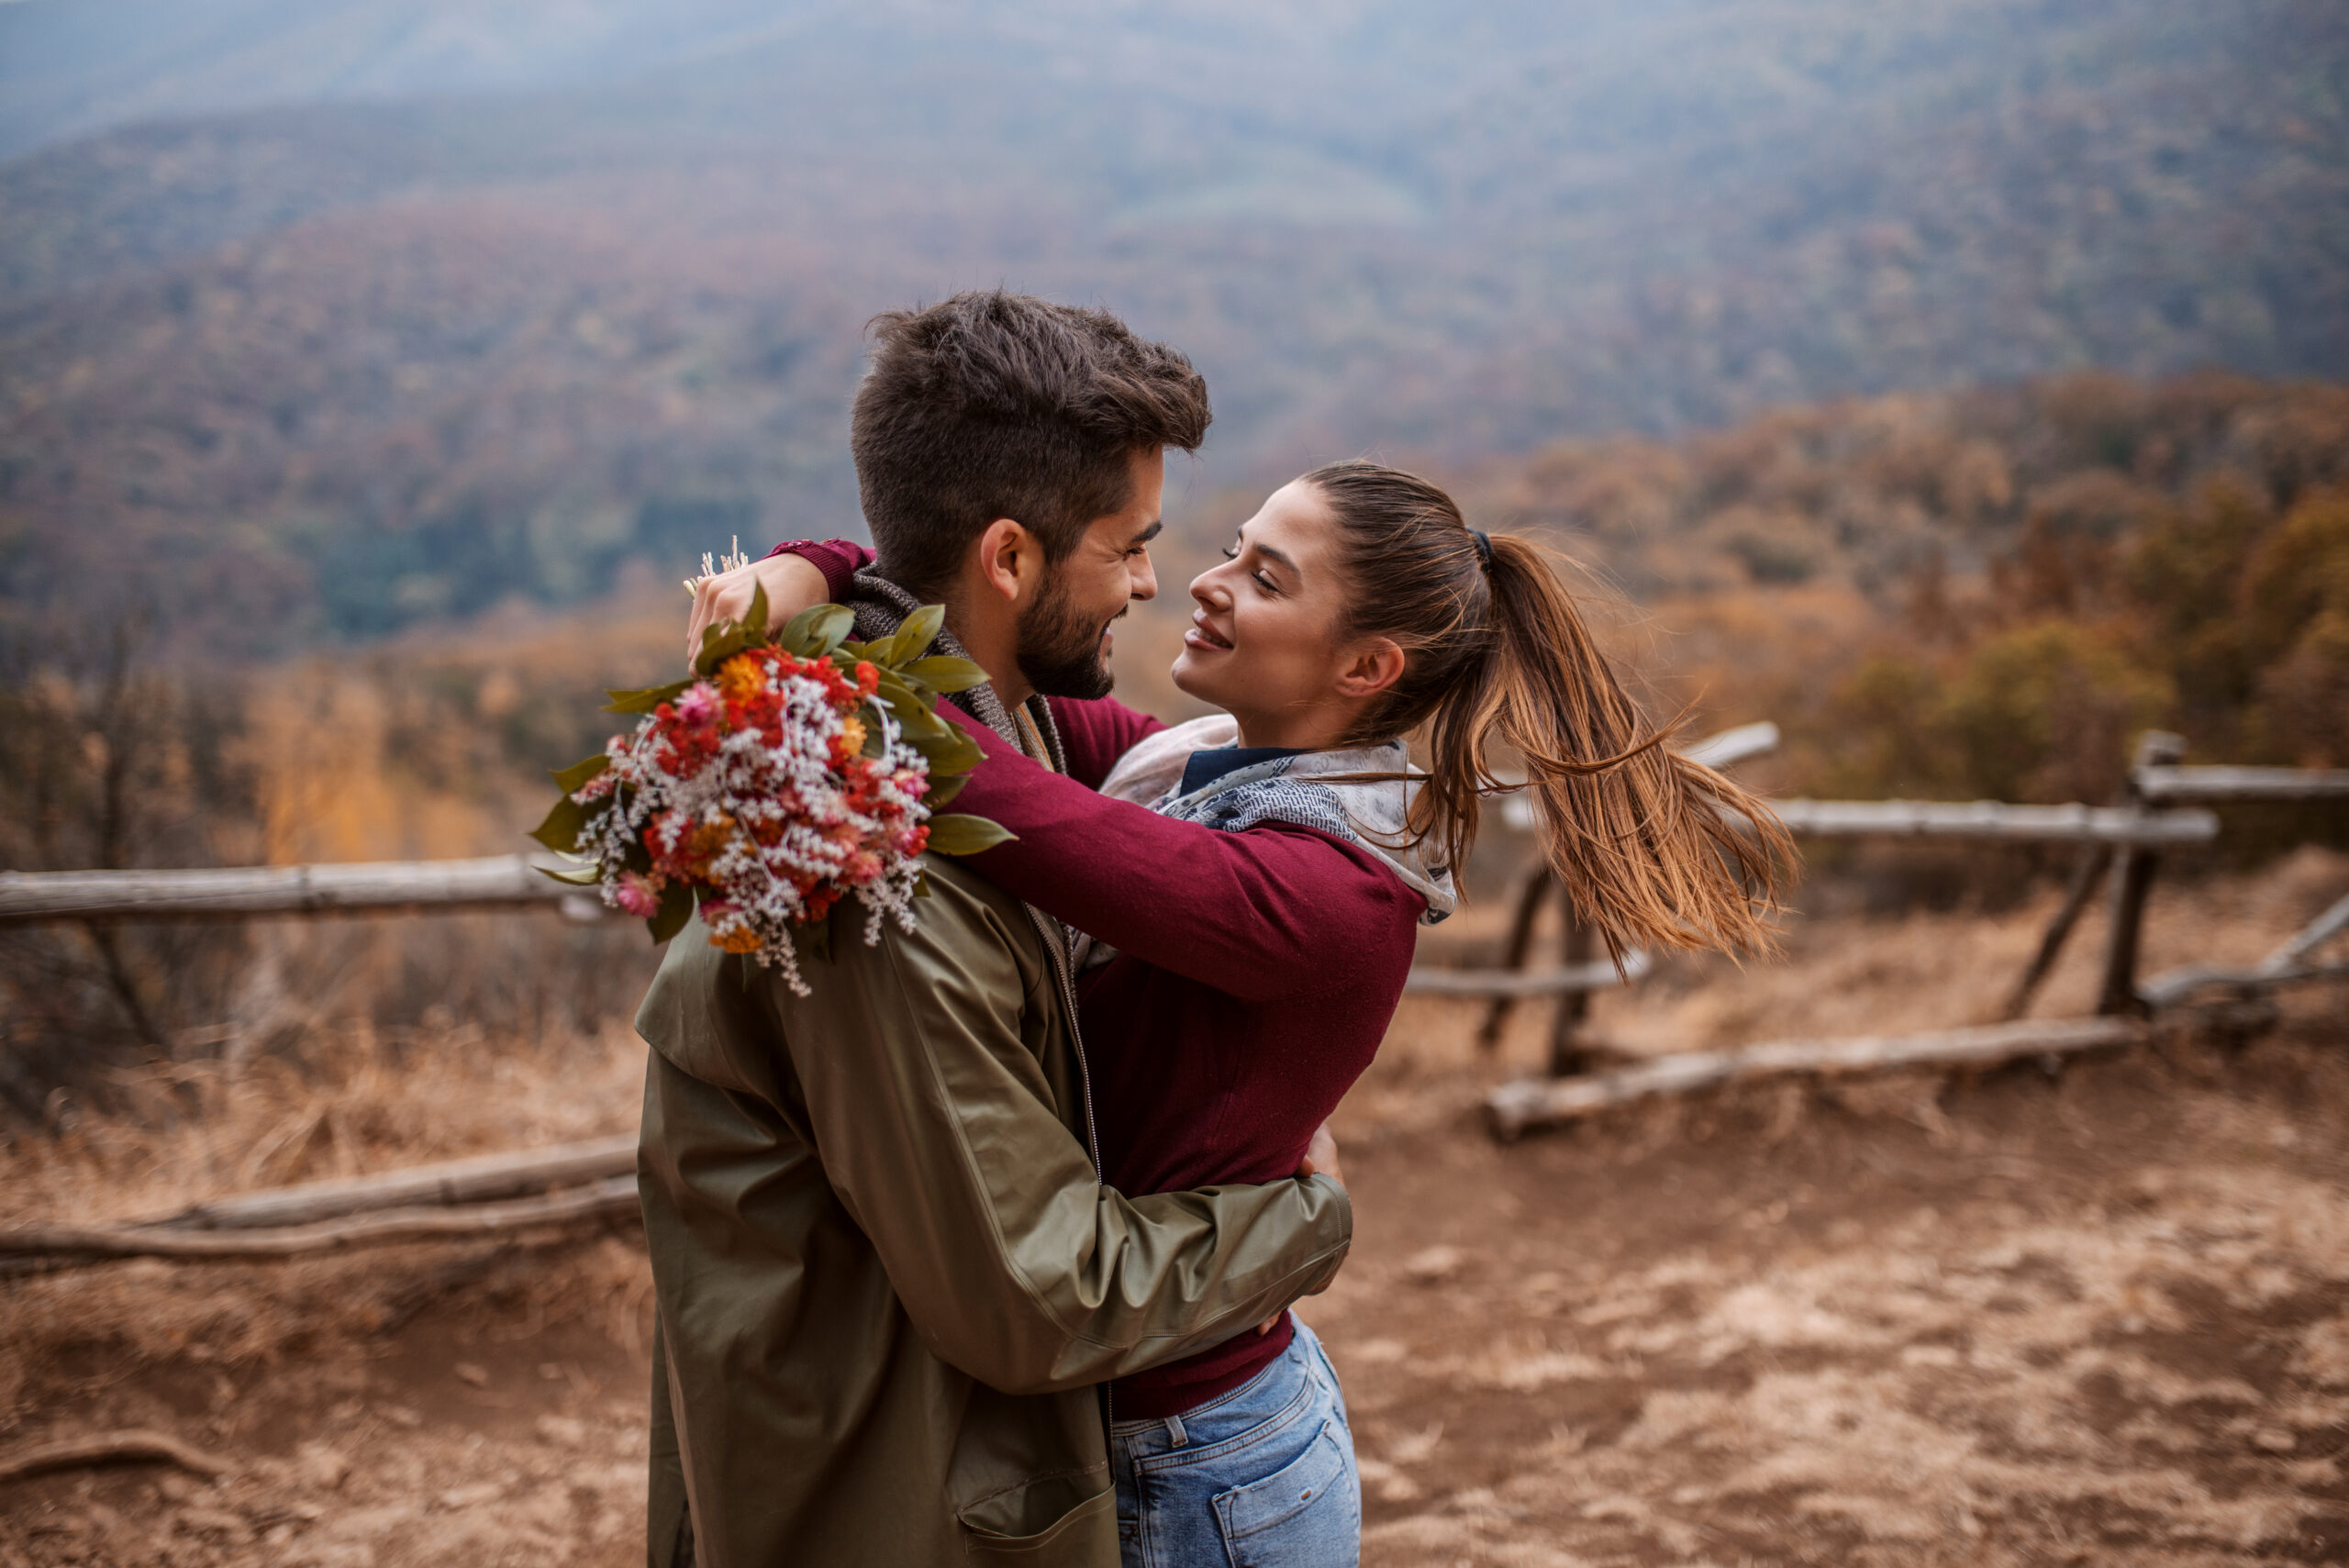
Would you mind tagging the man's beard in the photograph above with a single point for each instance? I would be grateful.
(1059, 648)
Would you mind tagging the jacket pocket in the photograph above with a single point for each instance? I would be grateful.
(1309, 1511)
(1004, 1528)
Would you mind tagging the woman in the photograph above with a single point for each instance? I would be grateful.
(1250, 883)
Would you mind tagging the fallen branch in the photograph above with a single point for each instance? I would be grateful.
(137, 1446)
(2168, 990)
(1533, 1102)
(2286, 966)
(91, 1244)
(475, 1180)
(2310, 938)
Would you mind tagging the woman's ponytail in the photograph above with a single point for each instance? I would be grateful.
(1656, 850)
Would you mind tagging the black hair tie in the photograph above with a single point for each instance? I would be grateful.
(1484, 550)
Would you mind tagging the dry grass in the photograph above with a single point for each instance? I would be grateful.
(351, 1103)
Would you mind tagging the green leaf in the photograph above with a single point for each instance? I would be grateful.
(948, 754)
(816, 631)
(577, 876)
(912, 714)
(950, 758)
(580, 772)
(942, 791)
(945, 672)
(958, 834)
(560, 830)
(718, 644)
(917, 631)
(755, 623)
(645, 699)
(676, 908)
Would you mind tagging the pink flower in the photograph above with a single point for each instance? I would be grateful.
(699, 703)
(634, 893)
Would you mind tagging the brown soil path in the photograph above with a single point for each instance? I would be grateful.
(2097, 1318)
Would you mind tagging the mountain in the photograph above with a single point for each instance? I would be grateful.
(322, 320)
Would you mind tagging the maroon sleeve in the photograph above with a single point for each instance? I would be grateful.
(1095, 732)
(838, 559)
(1276, 911)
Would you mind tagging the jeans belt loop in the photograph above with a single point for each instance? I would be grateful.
(1174, 1432)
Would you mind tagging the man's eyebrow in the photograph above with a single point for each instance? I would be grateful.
(1157, 526)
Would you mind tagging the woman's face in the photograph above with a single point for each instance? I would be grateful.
(1262, 643)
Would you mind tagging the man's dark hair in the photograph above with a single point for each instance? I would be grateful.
(996, 405)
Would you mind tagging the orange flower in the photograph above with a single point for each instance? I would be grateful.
(741, 938)
(740, 677)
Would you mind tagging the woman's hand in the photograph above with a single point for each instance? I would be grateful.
(1320, 1160)
(792, 585)
(1321, 1156)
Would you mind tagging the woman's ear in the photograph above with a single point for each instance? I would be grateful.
(1373, 666)
(1011, 560)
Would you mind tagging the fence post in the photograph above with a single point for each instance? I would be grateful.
(1521, 941)
(1567, 1055)
(2095, 860)
(2129, 888)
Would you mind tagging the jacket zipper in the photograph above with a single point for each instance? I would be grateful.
(1054, 934)
(1056, 951)
(1056, 955)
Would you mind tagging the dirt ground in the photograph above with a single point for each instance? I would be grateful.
(2096, 1317)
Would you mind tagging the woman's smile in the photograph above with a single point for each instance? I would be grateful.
(1203, 634)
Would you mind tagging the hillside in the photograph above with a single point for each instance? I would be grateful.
(322, 341)
(1968, 595)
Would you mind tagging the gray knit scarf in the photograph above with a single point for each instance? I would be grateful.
(881, 606)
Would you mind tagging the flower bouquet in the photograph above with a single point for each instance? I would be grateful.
(784, 774)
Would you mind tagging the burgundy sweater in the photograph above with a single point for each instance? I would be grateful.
(1256, 973)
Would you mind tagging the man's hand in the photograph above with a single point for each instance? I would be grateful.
(1320, 1160)
(792, 585)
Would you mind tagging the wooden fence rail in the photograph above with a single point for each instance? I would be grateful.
(479, 1179)
(244, 893)
(1995, 820)
(1518, 983)
(2173, 785)
(531, 1189)
(613, 1197)
(567, 1185)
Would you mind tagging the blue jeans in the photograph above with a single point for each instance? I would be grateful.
(1262, 1477)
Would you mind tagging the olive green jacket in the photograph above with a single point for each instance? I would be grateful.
(887, 1277)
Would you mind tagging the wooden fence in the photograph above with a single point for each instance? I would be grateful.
(246, 893)
(2160, 809)
(2151, 815)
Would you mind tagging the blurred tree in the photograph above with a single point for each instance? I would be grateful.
(2046, 712)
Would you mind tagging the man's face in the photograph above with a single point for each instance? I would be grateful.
(1064, 638)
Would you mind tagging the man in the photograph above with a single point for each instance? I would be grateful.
(886, 1273)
